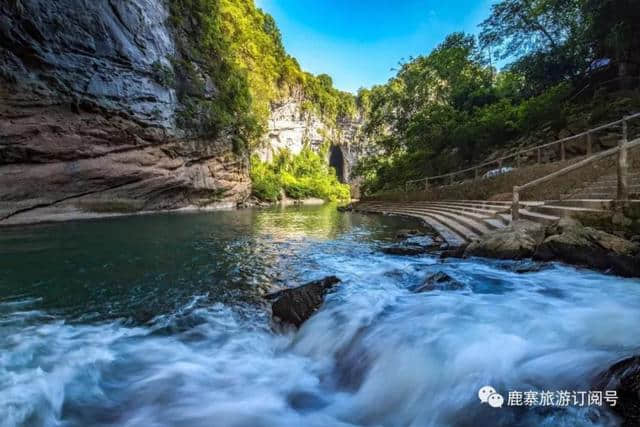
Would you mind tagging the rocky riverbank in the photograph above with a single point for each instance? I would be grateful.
(566, 241)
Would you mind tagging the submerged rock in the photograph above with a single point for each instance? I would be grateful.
(296, 305)
(570, 242)
(624, 378)
(410, 250)
(439, 282)
(517, 241)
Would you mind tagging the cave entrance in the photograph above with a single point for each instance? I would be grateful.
(336, 161)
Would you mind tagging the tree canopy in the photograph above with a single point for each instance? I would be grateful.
(448, 108)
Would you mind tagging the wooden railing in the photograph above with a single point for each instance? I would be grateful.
(622, 169)
(517, 156)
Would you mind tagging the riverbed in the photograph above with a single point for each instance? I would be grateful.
(160, 320)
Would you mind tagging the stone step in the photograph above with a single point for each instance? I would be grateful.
(475, 225)
(485, 212)
(614, 187)
(584, 203)
(464, 232)
(538, 217)
(458, 221)
(612, 183)
(451, 233)
(473, 214)
(470, 205)
(563, 211)
(593, 195)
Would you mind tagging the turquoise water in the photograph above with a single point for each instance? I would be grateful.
(159, 320)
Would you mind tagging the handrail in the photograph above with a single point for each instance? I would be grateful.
(518, 153)
(622, 168)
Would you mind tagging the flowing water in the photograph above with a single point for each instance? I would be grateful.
(159, 321)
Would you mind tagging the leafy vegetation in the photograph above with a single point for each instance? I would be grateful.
(452, 107)
(297, 176)
(233, 66)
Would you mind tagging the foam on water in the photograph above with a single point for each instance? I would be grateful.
(375, 354)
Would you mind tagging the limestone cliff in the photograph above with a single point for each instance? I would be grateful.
(291, 127)
(86, 121)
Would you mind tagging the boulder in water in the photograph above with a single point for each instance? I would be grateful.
(296, 305)
(456, 252)
(570, 242)
(524, 266)
(517, 241)
(440, 282)
(624, 378)
(410, 250)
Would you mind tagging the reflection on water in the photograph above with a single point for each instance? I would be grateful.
(159, 321)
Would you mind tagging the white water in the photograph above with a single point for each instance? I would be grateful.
(376, 354)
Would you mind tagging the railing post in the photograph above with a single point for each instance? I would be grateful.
(539, 156)
(589, 144)
(500, 164)
(518, 159)
(563, 155)
(623, 164)
(451, 179)
(515, 204)
(426, 184)
(475, 171)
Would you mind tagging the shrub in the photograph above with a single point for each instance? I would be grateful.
(298, 176)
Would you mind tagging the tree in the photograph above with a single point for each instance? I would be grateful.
(614, 30)
(547, 39)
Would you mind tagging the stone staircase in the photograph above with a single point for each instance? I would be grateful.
(460, 221)
(605, 188)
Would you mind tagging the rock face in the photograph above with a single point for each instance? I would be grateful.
(514, 242)
(624, 378)
(87, 122)
(296, 305)
(572, 243)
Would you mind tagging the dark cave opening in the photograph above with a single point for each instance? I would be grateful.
(336, 161)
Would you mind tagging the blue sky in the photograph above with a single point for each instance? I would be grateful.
(358, 42)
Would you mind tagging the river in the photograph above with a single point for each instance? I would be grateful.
(160, 320)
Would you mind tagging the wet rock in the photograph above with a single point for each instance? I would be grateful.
(586, 246)
(439, 282)
(408, 233)
(524, 266)
(346, 208)
(517, 241)
(409, 250)
(624, 378)
(296, 305)
(457, 252)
